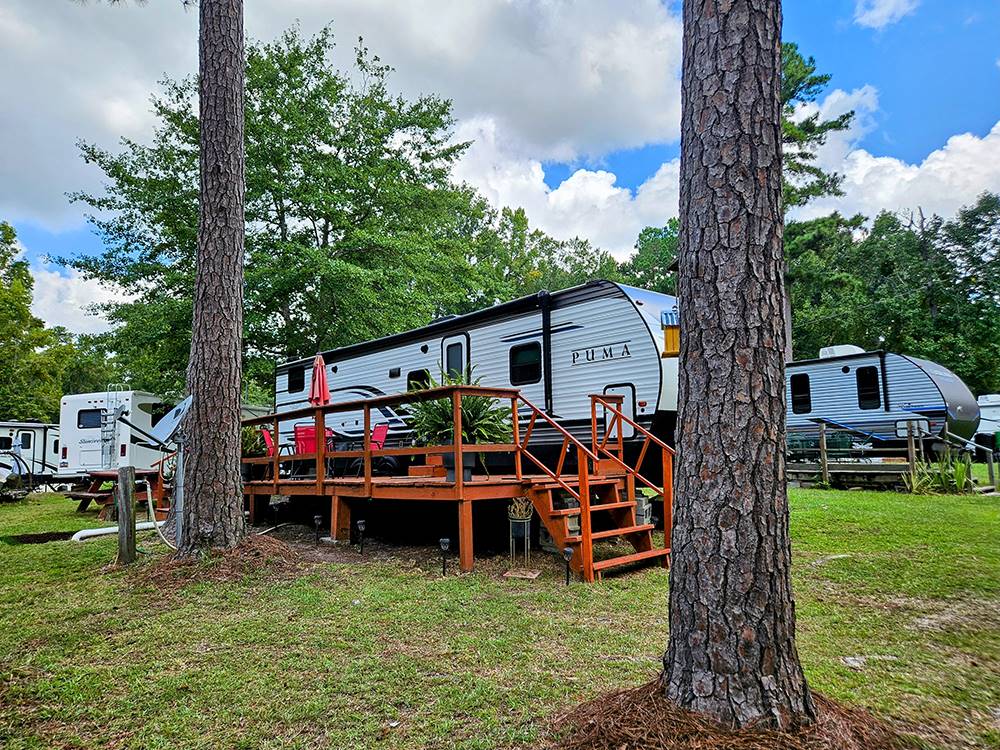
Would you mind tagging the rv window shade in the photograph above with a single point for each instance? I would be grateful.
(453, 360)
(869, 396)
(526, 363)
(25, 440)
(6, 443)
(801, 394)
(297, 379)
(417, 380)
(88, 419)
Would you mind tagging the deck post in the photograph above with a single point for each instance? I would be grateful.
(465, 551)
(320, 430)
(991, 471)
(824, 466)
(911, 454)
(368, 451)
(456, 414)
(668, 499)
(586, 541)
(274, 458)
(516, 432)
(593, 423)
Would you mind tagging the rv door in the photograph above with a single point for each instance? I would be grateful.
(455, 356)
(627, 392)
(26, 443)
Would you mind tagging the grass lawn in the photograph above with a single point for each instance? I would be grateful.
(382, 654)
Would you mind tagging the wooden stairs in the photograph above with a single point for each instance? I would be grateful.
(597, 502)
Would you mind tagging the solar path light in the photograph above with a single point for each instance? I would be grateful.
(567, 556)
(361, 534)
(445, 543)
(317, 520)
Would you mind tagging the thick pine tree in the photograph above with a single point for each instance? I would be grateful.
(732, 651)
(213, 499)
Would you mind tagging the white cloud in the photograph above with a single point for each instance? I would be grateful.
(564, 78)
(588, 204)
(877, 14)
(63, 298)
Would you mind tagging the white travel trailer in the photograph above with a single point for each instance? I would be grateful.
(557, 348)
(29, 448)
(94, 437)
(874, 395)
(988, 434)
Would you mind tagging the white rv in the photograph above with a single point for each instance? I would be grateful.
(557, 348)
(29, 448)
(94, 438)
(988, 434)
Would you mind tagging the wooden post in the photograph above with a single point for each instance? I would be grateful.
(465, 551)
(368, 451)
(320, 421)
(516, 427)
(990, 470)
(586, 541)
(125, 499)
(824, 465)
(593, 424)
(340, 519)
(668, 499)
(274, 458)
(456, 414)
(911, 453)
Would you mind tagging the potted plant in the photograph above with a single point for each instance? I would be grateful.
(484, 421)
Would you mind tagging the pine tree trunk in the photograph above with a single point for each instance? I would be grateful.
(213, 495)
(732, 651)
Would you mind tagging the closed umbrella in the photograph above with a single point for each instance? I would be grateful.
(319, 391)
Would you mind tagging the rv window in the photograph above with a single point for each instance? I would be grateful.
(868, 392)
(297, 379)
(88, 419)
(801, 395)
(417, 380)
(6, 443)
(25, 440)
(453, 363)
(55, 446)
(525, 363)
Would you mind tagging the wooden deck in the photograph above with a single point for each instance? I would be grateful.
(600, 480)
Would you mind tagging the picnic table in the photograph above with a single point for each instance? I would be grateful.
(96, 492)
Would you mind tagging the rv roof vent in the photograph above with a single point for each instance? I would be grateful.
(840, 350)
(988, 399)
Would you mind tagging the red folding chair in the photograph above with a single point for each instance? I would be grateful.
(270, 446)
(380, 464)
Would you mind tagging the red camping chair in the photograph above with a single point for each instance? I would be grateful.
(269, 444)
(380, 464)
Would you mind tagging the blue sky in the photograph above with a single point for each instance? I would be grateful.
(573, 104)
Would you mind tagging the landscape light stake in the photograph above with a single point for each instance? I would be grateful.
(317, 520)
(361, 534)
(445, 543)
(567, 556)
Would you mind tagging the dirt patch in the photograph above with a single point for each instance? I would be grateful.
(643, 718)
(262, 557)
(40, 538)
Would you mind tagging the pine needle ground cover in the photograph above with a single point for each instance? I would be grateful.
(898, 612)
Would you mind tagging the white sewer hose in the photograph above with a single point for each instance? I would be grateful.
(85, 534)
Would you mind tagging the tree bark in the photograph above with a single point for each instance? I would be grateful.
(732, 651)
(213, 494)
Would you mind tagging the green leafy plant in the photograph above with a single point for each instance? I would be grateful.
(948, 475)
(484, 421)
(251, 441)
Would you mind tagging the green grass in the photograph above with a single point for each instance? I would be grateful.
(385, 655)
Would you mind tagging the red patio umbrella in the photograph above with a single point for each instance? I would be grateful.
(319, 391)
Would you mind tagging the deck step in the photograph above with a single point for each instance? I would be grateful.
(609, 533)
(593, 507)
(613, 562)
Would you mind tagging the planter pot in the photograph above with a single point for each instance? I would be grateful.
(468, 464)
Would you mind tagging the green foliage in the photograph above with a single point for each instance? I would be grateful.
(484, 420)
(37, 364)
(655, 253)
(252, 442)
(925, 287)
(950, 474)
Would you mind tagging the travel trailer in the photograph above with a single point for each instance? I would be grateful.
(988, 434)
(93, 437)
(557, 348)
(873, 395)
(29, 448)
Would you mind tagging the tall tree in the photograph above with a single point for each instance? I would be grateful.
(732, 653)
(655, 254)
(213, 493)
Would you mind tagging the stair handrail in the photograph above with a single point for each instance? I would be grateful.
(521, 442)
(601, 448)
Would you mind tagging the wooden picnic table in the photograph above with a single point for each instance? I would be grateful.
(96, 493)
